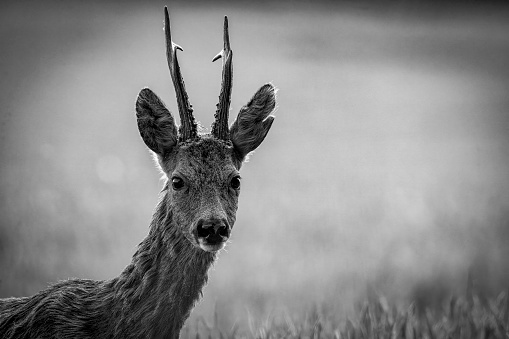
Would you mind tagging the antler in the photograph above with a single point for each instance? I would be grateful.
(220, 125)
(188, 128)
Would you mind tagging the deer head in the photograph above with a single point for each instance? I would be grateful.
(202, 170)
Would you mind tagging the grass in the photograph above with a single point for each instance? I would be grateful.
(465, 317)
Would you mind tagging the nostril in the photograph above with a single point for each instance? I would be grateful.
(205, 229)
(223, 231)
(208, 228)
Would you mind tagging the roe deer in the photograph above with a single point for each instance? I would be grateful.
(155, 293)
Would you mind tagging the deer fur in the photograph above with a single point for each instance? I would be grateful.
(156, 292)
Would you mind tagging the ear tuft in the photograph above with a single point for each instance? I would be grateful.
(254, 121)
(155, 123)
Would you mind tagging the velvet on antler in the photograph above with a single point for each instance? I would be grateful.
(220, 125)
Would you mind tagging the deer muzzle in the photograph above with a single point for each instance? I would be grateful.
(212, 234)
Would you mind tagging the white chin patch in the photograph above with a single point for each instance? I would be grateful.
(211, 248)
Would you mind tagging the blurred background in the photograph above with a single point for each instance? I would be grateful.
(386, 170)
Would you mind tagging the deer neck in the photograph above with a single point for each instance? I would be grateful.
(163, 281)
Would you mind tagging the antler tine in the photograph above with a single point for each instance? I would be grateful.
(188, 129)
(220, 125)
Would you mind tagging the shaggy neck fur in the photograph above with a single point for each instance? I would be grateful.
(155, 293)
(151, 298)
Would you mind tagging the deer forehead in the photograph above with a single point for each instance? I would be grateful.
(205, 160)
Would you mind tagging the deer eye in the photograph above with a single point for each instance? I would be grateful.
(235, 183)
(177, 183)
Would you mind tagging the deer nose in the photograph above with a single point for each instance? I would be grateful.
(213, 230)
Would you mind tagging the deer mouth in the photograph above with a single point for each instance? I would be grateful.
(211, 246)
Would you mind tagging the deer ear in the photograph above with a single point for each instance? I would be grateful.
(156, 124)
(253, 122)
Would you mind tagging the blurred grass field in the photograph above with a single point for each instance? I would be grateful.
(463, 318)
(386, 170)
